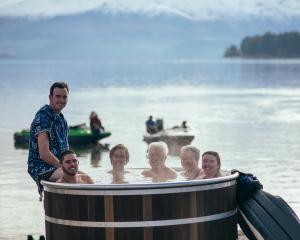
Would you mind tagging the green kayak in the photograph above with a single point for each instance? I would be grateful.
(78, 135)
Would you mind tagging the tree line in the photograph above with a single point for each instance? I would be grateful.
(282, 45)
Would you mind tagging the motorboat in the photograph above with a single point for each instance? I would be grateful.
(171, 135)
(175, 138)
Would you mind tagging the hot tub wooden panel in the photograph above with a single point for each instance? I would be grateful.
(196, 210)
(74, 207)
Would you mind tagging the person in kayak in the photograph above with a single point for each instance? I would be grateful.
(157, 155)
(49, 137)
(95, 124)
(70, 163)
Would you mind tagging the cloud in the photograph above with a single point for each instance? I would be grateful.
(192, 9)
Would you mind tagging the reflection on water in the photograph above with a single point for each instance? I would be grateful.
(21, 145)
(33, 237)
(118, 177)
(174, 147)
(134, 176)
(95, 150)
(175, 137)
(96, 155)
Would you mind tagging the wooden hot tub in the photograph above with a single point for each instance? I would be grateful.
(186, 210)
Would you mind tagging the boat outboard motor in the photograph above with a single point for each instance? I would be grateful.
(160, 124)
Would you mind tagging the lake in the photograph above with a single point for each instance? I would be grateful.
(248, 111)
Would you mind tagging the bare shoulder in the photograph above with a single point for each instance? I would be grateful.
(200, 176)
(60, 180)
(172, 170)
(147, 173)
(86, 179)
(171, 173)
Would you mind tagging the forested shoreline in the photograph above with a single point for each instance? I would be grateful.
(268, 45)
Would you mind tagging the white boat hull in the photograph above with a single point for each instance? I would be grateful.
(174, 138)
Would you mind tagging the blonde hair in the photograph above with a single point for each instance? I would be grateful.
(119, 146)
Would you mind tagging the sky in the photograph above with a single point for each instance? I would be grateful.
(192, 9)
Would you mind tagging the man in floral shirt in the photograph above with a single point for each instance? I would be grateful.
(49, 137)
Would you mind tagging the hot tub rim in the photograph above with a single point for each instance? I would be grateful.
(133, 186)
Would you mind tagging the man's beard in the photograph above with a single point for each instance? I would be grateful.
(70, 172)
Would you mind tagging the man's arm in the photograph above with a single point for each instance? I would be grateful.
(59, 180)
(44, 151)
(87, 179)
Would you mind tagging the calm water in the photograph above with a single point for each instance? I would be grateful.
(249, 111)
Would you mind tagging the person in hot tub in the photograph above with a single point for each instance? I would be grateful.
(119, 157)
(211, 165)
(157, 155)
(189, 156)
(69, 164)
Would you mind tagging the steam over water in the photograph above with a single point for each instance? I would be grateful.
(248, 111)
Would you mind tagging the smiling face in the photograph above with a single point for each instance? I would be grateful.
(156, 156)
(119, 158)
(70, 164)
(188, 160)
(59, 99)
(210, 165)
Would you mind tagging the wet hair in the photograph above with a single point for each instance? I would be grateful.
(58, 85)
(213, 153)
(119, 146)
(64, 154)
(193, 149)
(162, 145)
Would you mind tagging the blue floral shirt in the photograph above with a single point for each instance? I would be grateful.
(56, 125)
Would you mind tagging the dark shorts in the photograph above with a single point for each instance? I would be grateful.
(43, 176)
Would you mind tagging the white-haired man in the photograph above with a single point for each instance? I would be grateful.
(189, 156)
(157, 155)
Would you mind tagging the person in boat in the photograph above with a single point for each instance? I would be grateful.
(95, 124)
(119, 157)
(183, 125)
(157, 155)
(69, 164)
(151, 125)
(211, 165)
(189, 156)
(49, 137)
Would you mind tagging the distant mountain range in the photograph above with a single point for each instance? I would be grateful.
(100, 35)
